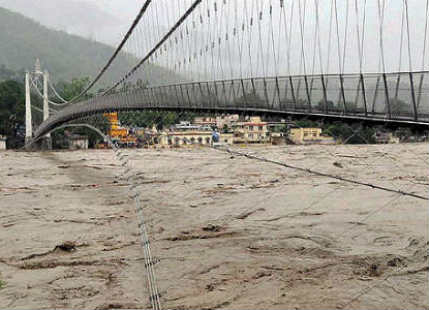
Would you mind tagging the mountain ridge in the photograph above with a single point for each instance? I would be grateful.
(65, 56)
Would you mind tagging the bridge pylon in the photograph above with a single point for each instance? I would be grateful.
(28, 117)
(47, 140)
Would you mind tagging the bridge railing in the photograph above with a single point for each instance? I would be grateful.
(389, 96)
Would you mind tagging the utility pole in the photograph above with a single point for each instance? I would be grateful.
(47, 139)
(28, 120)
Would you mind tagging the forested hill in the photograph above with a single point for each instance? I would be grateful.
(65, 56)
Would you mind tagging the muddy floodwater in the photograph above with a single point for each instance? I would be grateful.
(229, 232)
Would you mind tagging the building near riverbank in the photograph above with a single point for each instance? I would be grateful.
(78, 142)
(183, 138)
(385, 138)
(253, 130)
(309, 136)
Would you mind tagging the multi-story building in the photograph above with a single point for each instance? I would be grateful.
(205, 121)
(219, 121)
(116, 131)
(226, 121)
(186, 133)
(251, 131)
(182, 138)
(309, 136)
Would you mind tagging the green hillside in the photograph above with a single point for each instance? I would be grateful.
(65, 56)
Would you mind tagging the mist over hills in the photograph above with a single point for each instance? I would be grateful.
(93, 19)
(65, 56)
(23, 40)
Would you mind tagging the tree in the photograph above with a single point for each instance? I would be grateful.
(68, 91)
(12, 109)
(322, 104)
(398, 106)
(7, 74)
(161, 119)
(352, 134)
(307, 124)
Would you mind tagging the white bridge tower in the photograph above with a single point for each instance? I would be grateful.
(29, 77)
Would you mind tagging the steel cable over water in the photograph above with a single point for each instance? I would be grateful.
(150, 262)
(117, 51)
(158, 45)
(322, 174)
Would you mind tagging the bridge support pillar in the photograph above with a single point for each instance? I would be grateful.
(47, 140)
(28, 120)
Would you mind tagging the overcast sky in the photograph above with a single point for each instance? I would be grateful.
(266, 42)
(119, 15)
(124, 9)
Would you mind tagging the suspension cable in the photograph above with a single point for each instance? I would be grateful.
(358, 35)
(362, 43)
(316, 2)
(346, 33)
(381, 11)
(158, 45)
(302, 25)
(410, 64)
(331, 21)
(56, 93)
(338, 39)
(426, 36)
(117, 51)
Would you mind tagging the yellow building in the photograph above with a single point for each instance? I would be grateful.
(308, 136)
(182, 138)
(252, 131)
(218, 121)
(205, 121)
(116, 131)
(226, 138)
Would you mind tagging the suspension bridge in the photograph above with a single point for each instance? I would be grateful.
(360, 61)
(363, 61)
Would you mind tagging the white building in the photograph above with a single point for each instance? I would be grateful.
(77, 142)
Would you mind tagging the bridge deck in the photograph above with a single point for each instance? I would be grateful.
(397, 98)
